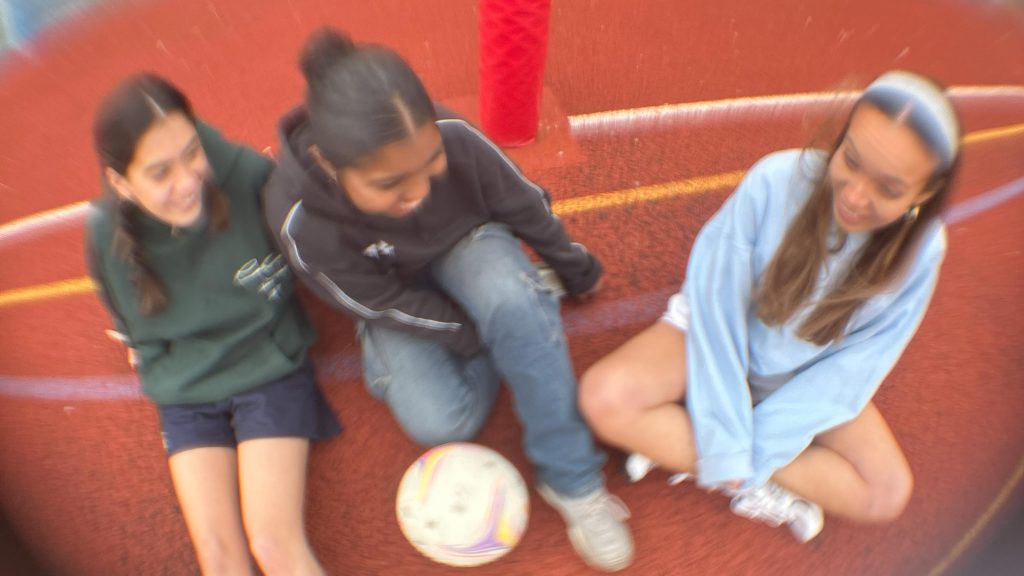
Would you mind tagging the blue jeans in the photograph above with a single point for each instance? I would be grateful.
(438, 396)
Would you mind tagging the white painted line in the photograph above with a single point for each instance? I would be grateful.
(667, 115)
(606, 316)
(586, 124)
(30, 226)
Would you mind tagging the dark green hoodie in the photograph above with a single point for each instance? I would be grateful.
(231, 323)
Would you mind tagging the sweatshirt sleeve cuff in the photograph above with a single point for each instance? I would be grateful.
(467, 341)
(714, 470)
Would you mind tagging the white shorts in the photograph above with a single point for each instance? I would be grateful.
(678, 312)
(678, 315)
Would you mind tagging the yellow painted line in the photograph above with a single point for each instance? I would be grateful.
(48, 291)
(981, 523)
(647, 193)
(707, 183)
(993, 133)
(565, 207)
(569, 206)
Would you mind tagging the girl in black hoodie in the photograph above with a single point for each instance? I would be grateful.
(412, 224)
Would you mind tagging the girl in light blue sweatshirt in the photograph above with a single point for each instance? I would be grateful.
(800, 295)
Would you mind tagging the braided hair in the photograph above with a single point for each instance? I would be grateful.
(123, 119)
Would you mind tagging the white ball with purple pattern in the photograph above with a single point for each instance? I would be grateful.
(462, 504)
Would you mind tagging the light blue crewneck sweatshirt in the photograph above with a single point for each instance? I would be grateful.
(731, 353)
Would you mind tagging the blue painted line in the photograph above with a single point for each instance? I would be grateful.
(984, 202)
(107, 387)
(346, 365)
(343, 366)
(598, 318)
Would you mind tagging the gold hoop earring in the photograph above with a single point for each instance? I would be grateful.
(913, 213)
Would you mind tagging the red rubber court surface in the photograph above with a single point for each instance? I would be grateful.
(83, 479)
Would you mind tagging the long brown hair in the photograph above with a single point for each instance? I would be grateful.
(791, 276)
(123, 119)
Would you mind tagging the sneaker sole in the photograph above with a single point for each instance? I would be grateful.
(576, 539)
(819, 524)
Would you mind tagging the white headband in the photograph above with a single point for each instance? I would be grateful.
(929, 106)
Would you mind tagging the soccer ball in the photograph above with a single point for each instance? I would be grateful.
(462, 504)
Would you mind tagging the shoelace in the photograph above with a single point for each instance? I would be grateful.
(769, 502)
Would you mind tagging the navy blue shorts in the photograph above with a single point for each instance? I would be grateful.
(291, 406)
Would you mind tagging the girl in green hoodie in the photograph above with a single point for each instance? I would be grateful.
(177, 248)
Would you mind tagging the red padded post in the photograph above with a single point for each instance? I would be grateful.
(513, 49)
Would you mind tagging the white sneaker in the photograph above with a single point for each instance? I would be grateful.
(596, 527)
(637, 466)
(775, 506)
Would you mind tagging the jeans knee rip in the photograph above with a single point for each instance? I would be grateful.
(545, 299)
(375, 368)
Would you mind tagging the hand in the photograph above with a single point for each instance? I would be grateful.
(133, 357)
(583, 297)
(729, 488)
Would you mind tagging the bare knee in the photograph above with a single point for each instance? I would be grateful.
(429, 436)
(277, 552)
(433, 427)
(217, 555)
(604, 398)
(889, 497)
(270, 551)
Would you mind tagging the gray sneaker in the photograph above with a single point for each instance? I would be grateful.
(775, 506)
(596, 526)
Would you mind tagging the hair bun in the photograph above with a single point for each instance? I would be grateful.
(325, 48)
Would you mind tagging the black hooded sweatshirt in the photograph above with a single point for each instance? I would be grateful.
(375, 268)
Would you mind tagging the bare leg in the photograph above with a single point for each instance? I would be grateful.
(856, 470)
(206, 482)
(631, 398)
(272, 473)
